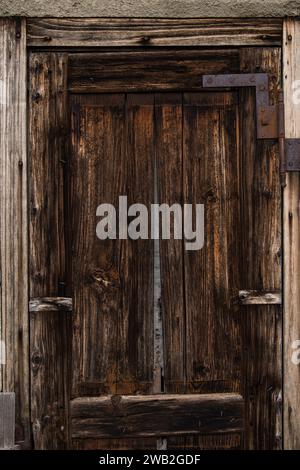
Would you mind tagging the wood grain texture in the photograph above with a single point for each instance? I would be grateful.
(261, 261)
(113, 32)
(112, 279)
(169, 138)
(48, 155)
(7, 420)
(211, 177)
(155, 415)
(291, 240)
(169, 70)
(49, 334)
(50, 378)
(205, 147)
(14, 375)
(136, 320)
(257, 297)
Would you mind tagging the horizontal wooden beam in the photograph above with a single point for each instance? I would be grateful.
(113, 32)
(155, 415)
(50, 304)
(255, 297)
(154, 70)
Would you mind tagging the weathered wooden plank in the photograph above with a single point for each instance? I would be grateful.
(113, 279)
(48, 270)
(7, 420)
(155, 415)
(291, 240)
(97, 175)
(136, 319)
(211, 177)
(254, 297)
(51, 304)
(261, 261)
(169, 121)
(48, 150)
(113, 32)
(149, 71)
(13, 220)
(50, 378)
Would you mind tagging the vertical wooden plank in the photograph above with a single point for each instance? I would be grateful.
(112, 154)
(13, 219)
(136, 315)
(261, 263)
(50, 372)
(48, 276)
(168, 141)
(97, 176)
(291, 241)
(212, 274)
(7, 420)
(48, 153)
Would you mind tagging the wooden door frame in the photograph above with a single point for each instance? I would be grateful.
(15, 35)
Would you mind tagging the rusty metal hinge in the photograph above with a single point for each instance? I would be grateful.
(266, 114)
(269, 118)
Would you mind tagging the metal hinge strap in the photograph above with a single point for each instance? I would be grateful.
(269, 118)
(266, 114)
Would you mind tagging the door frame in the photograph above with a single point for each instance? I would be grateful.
(17, 36)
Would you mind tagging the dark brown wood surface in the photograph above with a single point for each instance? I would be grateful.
(50, 333)
(113, 32)
(169, 141)
(156, 415)
(112, 280)
(211, 177)
(204, 147)
(169, 70)
(261, 268)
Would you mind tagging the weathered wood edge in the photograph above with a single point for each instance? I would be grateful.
(124, 32)
(127, 416)
(50, 304)
(254, 297)
(13, 220)
(291, 244)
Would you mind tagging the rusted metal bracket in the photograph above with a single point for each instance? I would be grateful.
(292, 153)
(269, 118)
(266, 114)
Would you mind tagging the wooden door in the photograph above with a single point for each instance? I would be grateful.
(154, 346)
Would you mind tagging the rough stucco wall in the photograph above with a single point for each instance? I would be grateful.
(150, 8)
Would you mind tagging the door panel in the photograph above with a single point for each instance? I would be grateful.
(212, 276)
(156, 138)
